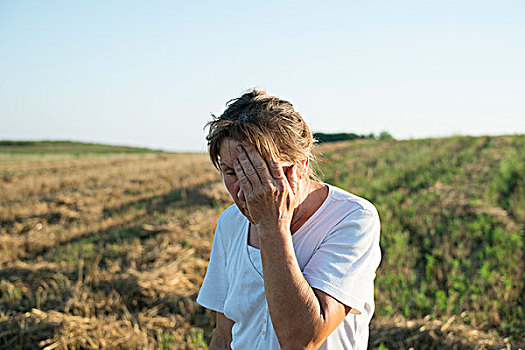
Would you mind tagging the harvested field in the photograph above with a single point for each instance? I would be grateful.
(108, 249)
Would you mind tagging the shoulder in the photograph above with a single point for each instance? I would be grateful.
(350, 201)
(348, 205)
(230, 223)
(230, 215)
(352, 210)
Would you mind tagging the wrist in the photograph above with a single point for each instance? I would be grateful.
(273, 230)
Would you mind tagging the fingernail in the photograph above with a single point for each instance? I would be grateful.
(235, 161)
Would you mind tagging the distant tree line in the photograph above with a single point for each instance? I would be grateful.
(344, 136)
(16, 143)
(71, 146)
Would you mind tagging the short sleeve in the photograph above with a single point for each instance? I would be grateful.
(214, 288)
(344, 264)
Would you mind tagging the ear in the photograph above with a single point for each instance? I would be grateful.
(303, 166)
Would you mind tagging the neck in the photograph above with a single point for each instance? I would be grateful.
(313, 196)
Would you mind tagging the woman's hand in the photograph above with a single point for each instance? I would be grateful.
(270, 193)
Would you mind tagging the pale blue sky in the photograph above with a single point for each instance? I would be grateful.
(150, 73)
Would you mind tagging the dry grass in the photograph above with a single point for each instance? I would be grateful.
(108, 252)
(398, 333)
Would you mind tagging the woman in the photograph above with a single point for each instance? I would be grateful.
(293, 260)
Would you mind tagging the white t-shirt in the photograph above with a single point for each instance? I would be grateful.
(338, 252)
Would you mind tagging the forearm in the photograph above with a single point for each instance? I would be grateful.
(297, 315)
(222, 336)
(218, 342)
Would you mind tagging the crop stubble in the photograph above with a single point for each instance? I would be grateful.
(108, 251)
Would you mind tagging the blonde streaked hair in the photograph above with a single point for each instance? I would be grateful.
(269, 123)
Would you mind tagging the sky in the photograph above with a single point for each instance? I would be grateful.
(151, 73)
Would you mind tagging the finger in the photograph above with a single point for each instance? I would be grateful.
(247, 167)
(244, 182)
(276, 170)
(260, 166)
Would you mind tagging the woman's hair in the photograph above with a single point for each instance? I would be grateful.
(272, 125)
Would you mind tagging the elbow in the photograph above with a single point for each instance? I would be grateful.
(291, 346)
(308, 333)
(298, 345)
(300, 340)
